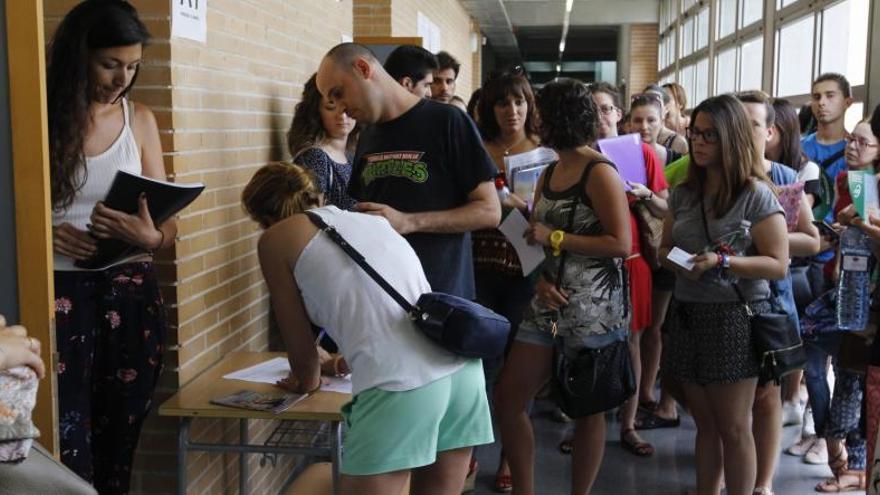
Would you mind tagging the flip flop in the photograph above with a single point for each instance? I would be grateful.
(503, 483)
(641, 449)
(651, 421)
(833, 485)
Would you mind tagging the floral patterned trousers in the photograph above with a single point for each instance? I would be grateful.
(110, 328)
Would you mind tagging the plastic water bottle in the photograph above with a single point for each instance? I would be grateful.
(853, 296)
(734, 243)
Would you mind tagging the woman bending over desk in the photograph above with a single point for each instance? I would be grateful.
(416, 407)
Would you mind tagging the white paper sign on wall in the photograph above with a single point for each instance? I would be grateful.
(189, 19)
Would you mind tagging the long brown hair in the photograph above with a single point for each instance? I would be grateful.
(279, 190)
(788, 128)
(306, 128)
(91, 25)
(741, 163)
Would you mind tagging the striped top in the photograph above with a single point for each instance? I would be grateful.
(98, 173)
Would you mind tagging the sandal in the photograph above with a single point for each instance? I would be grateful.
(641, 449)
(839, 464)
(648, 406)
(566, 447)
(651, 421)
(833, 485)
(762, 490)
(503, 483)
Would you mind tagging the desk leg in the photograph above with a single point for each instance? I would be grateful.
(336, 452)
(182, 445)
(243, 459)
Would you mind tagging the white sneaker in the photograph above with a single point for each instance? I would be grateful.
(818, 453)
(809, 428)
(792, 413)
(802, 446)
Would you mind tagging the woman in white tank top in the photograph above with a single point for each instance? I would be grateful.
(109, 323)
(415, 406)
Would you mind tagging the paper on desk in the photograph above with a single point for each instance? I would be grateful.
(276, 369)
(513, 227)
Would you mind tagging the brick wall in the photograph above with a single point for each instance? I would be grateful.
(643, 56)
(455, 34)
(223, 109)
(372, 17)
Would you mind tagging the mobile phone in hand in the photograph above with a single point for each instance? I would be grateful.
(826, 230)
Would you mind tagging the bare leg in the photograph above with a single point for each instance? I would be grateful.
(708, 449)
(629, 408)
(767, 431)
(586, 456)
(732, 407)
(444, 477)
(377, 484)
(525, 371)
(652, 345)
(791, 386)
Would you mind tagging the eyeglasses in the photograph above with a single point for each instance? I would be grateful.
(709, 136)
(606, 109)
(859, 142)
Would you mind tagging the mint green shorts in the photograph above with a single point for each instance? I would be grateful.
(394, 431)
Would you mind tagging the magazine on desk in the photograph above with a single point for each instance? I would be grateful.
(275, 402)
(164, 200)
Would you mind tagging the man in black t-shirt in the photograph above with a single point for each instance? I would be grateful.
(419, 163)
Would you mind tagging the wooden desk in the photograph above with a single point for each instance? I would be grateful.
(193, 401)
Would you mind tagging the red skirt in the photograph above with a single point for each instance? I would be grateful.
(639, 292)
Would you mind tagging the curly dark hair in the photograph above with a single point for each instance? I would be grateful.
(91, 25)
(568, 116)
(495, 91)
(306, 129)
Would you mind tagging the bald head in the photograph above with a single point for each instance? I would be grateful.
(345, 54)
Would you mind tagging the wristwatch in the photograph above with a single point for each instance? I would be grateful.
(724, 261)
(556, 238)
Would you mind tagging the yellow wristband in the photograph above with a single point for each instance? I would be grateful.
(556, 238)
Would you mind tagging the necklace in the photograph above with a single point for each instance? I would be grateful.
(514, 145)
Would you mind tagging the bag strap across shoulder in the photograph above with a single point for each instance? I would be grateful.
(361, 261)
(831, 159)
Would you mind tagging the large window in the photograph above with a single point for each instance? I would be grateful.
(752, 57)
(702, 29)
(687, 38)
(794, 56)
(845, 40)
(752, 11)
(725, 71)
(810, 37)
(726, 18)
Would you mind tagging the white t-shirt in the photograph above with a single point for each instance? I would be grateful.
(380, 343)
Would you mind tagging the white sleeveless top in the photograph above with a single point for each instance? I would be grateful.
(123, 154)
(380, 343)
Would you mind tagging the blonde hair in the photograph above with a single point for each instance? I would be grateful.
(279, 190)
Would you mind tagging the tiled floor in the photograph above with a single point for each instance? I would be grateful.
(670, 471)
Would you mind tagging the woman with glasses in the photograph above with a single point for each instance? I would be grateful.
(507, 123)
(581, 211)
(842, 430)
(646, 118)
(710, 346)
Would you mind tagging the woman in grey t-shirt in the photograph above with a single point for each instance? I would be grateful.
(709, 347)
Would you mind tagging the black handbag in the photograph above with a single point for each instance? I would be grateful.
(458, 325)
(776, 340)
(595, 380)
